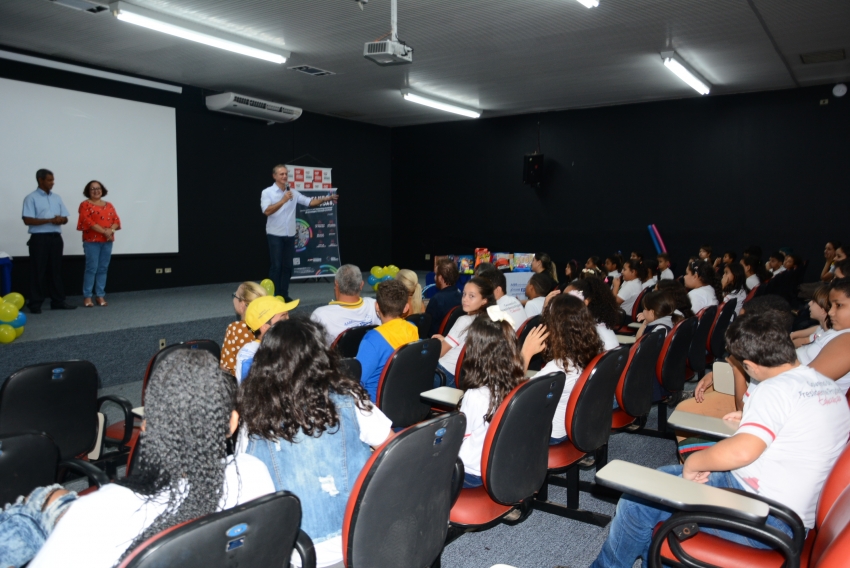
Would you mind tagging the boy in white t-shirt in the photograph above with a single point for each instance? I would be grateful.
(776, 263)
(508, 304)
(627, 292)
(792, 430)
(664, 272)
(536, 290)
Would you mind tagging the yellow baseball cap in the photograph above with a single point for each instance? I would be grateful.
(264, 308)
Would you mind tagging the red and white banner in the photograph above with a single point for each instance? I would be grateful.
(307, 177)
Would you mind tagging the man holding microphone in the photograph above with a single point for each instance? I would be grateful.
(278, 205)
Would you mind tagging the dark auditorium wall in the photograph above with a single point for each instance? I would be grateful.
(223, 163)
(766, 168)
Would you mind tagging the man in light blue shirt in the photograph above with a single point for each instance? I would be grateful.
(44, 214)
(278, 205)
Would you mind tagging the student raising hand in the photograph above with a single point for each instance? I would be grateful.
(535, 342)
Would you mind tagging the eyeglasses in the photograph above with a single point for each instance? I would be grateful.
(237, 297)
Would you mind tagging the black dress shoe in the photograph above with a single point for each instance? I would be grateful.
(63, 306)
(35, 309)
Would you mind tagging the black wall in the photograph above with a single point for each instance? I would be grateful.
(223, 163)
(766, 168)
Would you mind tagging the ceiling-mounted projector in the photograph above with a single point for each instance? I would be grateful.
(389, 51)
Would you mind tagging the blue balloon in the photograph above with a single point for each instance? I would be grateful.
(372, 280)
(19, 321)
(387, 277)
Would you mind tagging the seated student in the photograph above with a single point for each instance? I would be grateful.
(705, 254)
(508, 304)
(734, 287)
(776, 263)
(538, 287)
(183, 473)
(650, 277)
(447, 296)
(613, 264)
(819, 307)
(492, 368)
(348, 308)
(592, 273)
(627, 292)
(311, 425)
(827, 354)
(657, 314)
(793, 428)
(600, 301)
(482, 266)
(729, 257)
(755, 272)
(636, 255)
(842, 269)
(378, 344)
(414, 291)
(592, 263)
(664, 272)
(542, 264)
(701, 280)
(237, 333)
(261, 314)
(572, 274)
(477, 297)
(571, 344)
(680, 296)
(831, 253)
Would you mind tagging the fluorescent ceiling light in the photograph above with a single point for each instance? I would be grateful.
(433, 103)
(188, 30)
(683, 71)
(589, 3)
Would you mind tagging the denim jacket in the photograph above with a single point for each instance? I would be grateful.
(320, 471)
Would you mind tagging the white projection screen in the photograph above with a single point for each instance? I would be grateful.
(128, 146)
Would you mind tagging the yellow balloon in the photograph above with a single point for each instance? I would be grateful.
(7, 333)
(15, 299)
(268, 285)
(280, 298)
(376, 271)
(392, 270)
(8, 312)
(19, 331)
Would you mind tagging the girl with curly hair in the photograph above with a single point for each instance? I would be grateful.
(603, 307)
(701, 280)
(491, 369)
(311, 424)
(183, 470)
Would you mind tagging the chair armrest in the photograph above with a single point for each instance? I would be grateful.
(707, 425)
(457, 480)
(677, 493)
(781, 512)
(95, 476)
(635, 325)
(129, 418)
(626, 339)
(443, 378)
(442, 395)
(304, 548)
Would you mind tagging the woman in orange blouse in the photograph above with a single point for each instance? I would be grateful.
(98, 221)
(238, 334)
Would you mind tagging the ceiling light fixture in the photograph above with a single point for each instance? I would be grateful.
(433, 103)
(589, 3)
(684, 72)
(193, 32)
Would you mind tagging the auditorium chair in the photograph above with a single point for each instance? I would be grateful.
(351, 367)
(588, 424)
(449, 320)
(408, 372)
(261, 532)
(716, 344)
(676, 543)
(634, 389)
(697, 352)
(423, 324)
(514, 459)
(30, 459)
(752, 294)
(536, 362)
(60, 399)
(398, 511)
(348, 342)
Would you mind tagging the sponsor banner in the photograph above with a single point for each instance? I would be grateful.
(306, 177)
(316, 237)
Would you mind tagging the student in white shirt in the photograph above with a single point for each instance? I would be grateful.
(776, 263)
(536, 290)
(492, 368)
(183, 472)
(754, 271)
(348, 309)
(613, 264)
(627, 292)
(664, 267)
(600, 301)
(830, 350)
(701, 280)
(819, 307)
(734, 285)
(477, 297)
(650, 277)
(508, 304)
(657, 314)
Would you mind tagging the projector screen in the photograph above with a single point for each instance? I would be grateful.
(130, 147)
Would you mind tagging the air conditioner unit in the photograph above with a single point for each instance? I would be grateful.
(243, 105)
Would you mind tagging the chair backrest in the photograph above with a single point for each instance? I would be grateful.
(637, 308)
(348, 342)
(588, 416)
(716, 343)
(59, 399)
(27, 460)
(515, 456)
(696, 353)
(450, 319)
(837, 480)
(408, 372)
(459, 366)
(351, 367)
(751, 295)
(422, 322)
(536, 362)
(634, 390)
(398, 510)
(672, 361)
(831, 548)
(203, 344)
(261, 532)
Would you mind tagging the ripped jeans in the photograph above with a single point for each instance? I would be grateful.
(26, 524)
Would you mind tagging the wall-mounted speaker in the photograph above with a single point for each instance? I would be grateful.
(532, 169)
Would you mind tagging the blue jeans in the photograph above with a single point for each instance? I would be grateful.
(24, 526)
(631, 529)
(471, 481)
(97, 263)
(450, 378)
(281, 253)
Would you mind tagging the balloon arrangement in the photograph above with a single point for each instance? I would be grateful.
(379, 274)
(12, 320)
(269, 287)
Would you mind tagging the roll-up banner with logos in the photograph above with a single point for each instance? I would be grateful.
(316, 231)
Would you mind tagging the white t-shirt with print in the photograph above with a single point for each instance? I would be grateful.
(97, 528)
(803, 418)
(513, 308)
(338, 317)
(608, 337)
(534, 307)
(667, 274)
(559, 428)
(456, 338)
(629, 291)
(807, 353)
(702, 297)
(474, 405)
